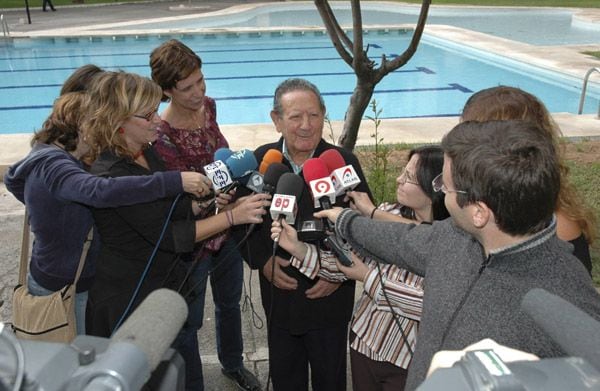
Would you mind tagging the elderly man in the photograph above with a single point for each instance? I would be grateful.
(308, 319)
(500, 180)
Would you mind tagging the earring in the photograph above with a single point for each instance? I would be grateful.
(121, 130)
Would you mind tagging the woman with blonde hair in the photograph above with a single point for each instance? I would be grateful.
(575, 221)
(58, 193)
(143, 245)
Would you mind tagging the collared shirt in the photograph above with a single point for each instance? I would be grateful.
(297, 168)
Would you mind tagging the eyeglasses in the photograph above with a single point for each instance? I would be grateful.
(407, 177)
(438, 185)
(149, 116)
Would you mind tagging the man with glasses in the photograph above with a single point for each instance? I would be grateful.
(500, 180)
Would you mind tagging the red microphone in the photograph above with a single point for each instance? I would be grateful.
(343, 176)
(316, 175)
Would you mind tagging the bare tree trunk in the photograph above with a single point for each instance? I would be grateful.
(361, 97)
(367, 76)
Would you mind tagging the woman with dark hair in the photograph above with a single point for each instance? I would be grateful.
(386, 316)
(58, 193)
(80, 79)
(575, 221)
(188, 137)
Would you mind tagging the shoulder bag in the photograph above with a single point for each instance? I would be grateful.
(45, 318)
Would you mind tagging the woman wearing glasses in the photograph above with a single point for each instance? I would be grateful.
(386, 316)
(143, 244)
(58, 194)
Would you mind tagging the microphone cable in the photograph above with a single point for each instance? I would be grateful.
(148, 264)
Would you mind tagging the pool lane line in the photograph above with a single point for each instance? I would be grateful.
(452, 87)
(416, 70)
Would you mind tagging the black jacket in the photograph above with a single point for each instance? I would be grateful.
(291, 309)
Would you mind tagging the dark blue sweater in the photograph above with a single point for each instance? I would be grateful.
(57, 192)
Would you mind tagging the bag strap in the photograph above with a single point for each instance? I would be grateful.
(25, 252)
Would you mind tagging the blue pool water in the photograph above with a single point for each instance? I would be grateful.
(536, 26)
(242, 71)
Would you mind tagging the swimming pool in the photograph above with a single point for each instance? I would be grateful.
(536, 26)
(243, 69)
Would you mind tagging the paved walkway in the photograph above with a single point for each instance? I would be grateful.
(12, 147)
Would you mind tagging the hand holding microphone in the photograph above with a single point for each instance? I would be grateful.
(250, 209)
(195, 183)
(361, 202)
(287, 237)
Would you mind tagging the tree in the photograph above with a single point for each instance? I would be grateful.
(367, 75)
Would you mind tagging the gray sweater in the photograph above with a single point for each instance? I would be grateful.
(467, 296)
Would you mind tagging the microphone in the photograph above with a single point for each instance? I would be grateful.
(269, 183)
(272, 176)
(283, 205)
(575, 331)
(317, 177)
(218, 173)
(138, 346)
(241, 164)
(222, 154)
(271, 156)
(153, 326)
(343, 176)
(256, 180)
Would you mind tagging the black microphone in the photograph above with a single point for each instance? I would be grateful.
(284, 203)
(272, 174)
(577, 333)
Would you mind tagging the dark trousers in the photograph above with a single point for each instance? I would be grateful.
(324, 350)
(49, 3)
(371, 375)
(226, 282)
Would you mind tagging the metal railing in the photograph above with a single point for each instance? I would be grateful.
(5, 30)
(584, 89)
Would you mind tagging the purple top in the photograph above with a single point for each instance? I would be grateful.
(191, 150)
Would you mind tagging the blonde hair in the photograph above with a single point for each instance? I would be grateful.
(114, 97)
(505, 103)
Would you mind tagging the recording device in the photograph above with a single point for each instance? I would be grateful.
(124, 362)
(340, 248)
(343, 176)
(312, 230)
(574, 330)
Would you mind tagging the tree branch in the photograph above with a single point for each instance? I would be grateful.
(389, 66)
(337, 35)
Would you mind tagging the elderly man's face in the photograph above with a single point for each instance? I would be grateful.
(301, 122)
